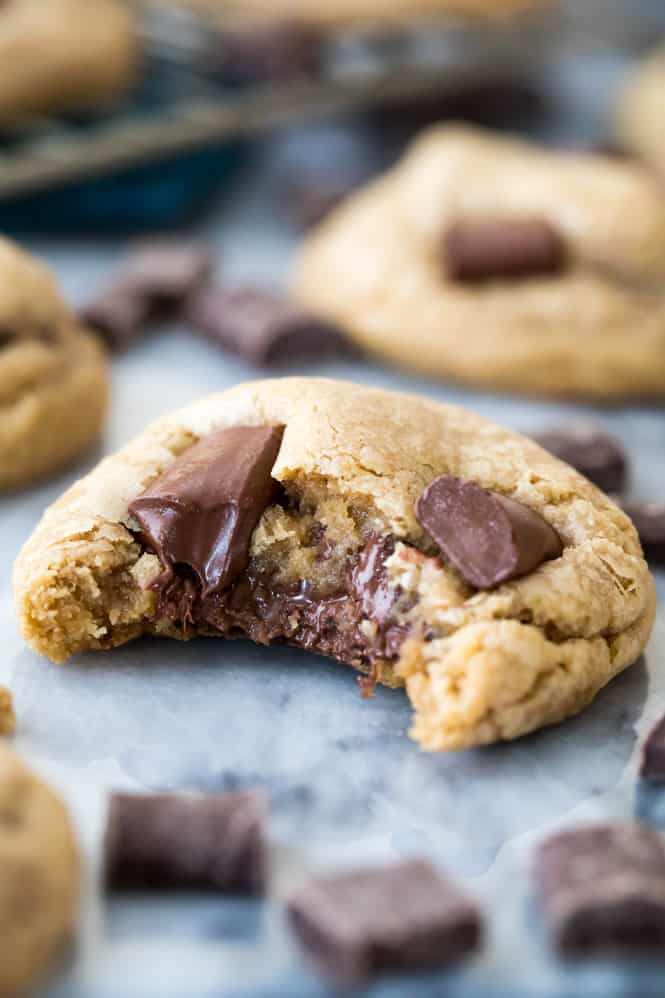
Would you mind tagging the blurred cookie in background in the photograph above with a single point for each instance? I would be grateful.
(64, 55)
(335, 12)
(53, 374)
(492, 261)
(639, 125)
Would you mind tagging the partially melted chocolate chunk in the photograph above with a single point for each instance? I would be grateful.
(404, 917)
(488, 537)
(263, 327)
(201, 513)
(502, 248)
(167, 841)
(602, 889)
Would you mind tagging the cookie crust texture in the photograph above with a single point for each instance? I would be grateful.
(493, 665)
(596, 330)
(40, 876)
(358, 12)
(53, 375)
(638, 120)
(64, 55)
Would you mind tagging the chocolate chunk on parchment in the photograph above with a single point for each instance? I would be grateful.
(602, 889)
(653, 754)
(157, 277)
(264, 328)
(483, 249)
(649, 521)
(488, 537)
(587, 448)
(407, 916)
(204, 842)
(202, 512)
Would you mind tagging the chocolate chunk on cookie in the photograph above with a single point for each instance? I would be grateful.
(264, 328)
(653, 754)
(594, 453)
(180, 535)
(157, 277)
(203, 510)
(405, 917)
(649, 521)
(489, 538)
(505, 248)
(167, 841)
(602, 889)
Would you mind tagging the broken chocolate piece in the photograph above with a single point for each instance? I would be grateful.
(156, 277)
(165, 841)
(602, 889)
(253, 50)
(118, 314)
(263, 327)
(488, 537)
(404, 917)
(479, 249)
(653, 754)
(309, 200)
(591, 451)
(649, 521)
(202, 512)
(168, 271)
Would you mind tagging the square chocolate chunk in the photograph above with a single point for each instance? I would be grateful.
(602, 890)
(192, 842)
(653, 754)
(407, 916)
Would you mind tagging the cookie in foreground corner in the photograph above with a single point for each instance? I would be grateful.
(40, 876)
(488, 260)
(410, 539)
(53, 374)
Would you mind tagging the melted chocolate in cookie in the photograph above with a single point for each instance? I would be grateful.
(201, 513)
(199, 517)
(355, 624)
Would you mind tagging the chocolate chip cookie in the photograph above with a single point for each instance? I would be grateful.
(40, 876)
(409, 539)
(63, 55)
(53, 374)
(487, 260)
(639, 112)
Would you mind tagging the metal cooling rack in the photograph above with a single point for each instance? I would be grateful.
(180, 106)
